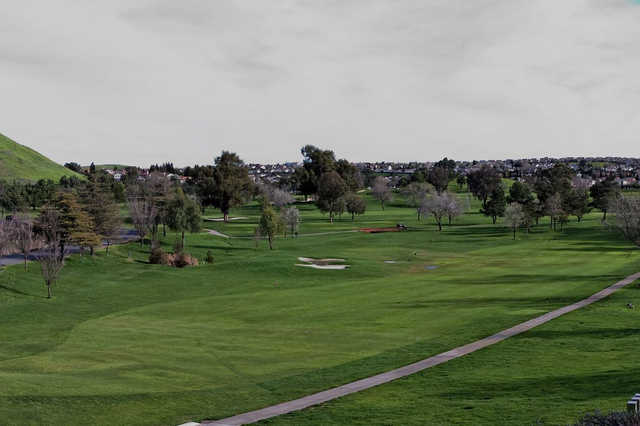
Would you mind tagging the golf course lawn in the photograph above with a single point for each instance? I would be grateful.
(125, 342)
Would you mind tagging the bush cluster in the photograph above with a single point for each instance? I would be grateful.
(178, 260)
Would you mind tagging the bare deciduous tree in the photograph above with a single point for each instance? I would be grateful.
(554, 209)
(416, 193)
(51, 258)
(51, 263)
(455, 207)
(281, 198)
(514, 217)
(291, 218)
(437, 206)
(627, 211)
(381, 190)
(7, 236)
(24, 236)
(143, 214)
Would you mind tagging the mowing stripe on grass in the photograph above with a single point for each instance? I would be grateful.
(357, 386)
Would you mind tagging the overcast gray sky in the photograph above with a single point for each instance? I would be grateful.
(151, 80)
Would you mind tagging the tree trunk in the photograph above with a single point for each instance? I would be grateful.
(439, 226)
(382, 204)
(353, 217)
(494, 218)
(604, 216)
(108, 244)
(182, 245)
(49, 294)
(91, 251)
(25, 262)
(225, 216)
(270, 243)
(449, 220)
(62, 245)
(514, 233)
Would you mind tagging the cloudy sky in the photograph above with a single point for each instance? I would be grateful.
(152, 80)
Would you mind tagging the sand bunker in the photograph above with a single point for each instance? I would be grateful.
(431, 267)
(321, 263)
(221, 219)
(334, 267)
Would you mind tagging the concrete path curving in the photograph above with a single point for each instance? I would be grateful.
(369, 382)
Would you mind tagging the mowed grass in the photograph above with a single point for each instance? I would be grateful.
(125, 342)
(18, 162)
(552, 375)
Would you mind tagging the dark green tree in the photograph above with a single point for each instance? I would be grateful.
(483, 182)
(604, 194)
(232, 184)
(350, 174)
(355, 205)
(496, 204)
(439, 177)
(577, 203)
(74, 166)
(331, 188)
(182, 214)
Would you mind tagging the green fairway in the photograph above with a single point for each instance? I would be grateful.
(551, 375)
(125, 342)
(22, 163)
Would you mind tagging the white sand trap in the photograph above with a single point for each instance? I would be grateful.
(334, 267)
(322, 263)
(390, 261)
(217, 234)
(221, 219)
(311, 260)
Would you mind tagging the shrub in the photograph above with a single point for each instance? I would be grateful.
(159, 257)
(611, 419)
(181, 260)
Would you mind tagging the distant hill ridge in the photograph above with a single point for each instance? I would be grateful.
(23, 163)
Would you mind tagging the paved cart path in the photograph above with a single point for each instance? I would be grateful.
(369, 382)
(124, 236)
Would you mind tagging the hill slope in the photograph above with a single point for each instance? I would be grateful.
(23, 163)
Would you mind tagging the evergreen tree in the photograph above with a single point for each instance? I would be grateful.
(496, 204)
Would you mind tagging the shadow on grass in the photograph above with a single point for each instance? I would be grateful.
(16, 291)
(520, 302)
(581, 387)
(515, 279)
(605, 333)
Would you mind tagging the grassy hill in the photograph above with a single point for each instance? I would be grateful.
(23, 163)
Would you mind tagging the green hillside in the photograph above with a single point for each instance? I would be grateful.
(23, 163)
